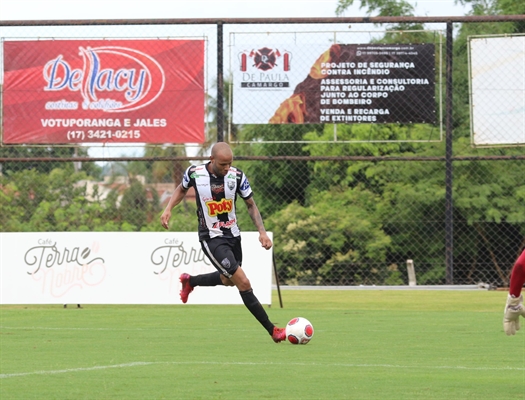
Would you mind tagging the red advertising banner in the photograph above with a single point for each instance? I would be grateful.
(103, 91)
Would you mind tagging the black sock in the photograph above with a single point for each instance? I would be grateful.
(211, 279)
(252, 303)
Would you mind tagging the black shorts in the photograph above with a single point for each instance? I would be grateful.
(224, 253)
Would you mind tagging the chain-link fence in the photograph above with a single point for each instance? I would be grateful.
(363, 164)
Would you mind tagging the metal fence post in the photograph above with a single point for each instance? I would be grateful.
(449, 210)
(220, 83)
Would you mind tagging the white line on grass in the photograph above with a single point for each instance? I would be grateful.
(145, 363)
(69, 328)
(65, 371)
(47, 328)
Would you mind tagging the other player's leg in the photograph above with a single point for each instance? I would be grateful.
(514, 306)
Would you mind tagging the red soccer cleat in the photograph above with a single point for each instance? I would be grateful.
(279, 334)
(186, 287)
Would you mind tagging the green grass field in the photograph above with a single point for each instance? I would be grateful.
(367, 345)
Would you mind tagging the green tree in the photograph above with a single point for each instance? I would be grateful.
(384, 8)
(498, 7)
(159, 171)
(134, 205)
(335, 240)
(276, 181)
(212, 113)
(12, 211)
(14, 152)
(58, 201)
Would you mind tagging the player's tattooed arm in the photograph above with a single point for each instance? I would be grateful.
(255, 215)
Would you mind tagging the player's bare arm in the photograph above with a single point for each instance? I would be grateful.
(175, 199)
(255, 215)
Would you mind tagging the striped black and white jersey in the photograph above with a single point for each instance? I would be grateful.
(215, 197)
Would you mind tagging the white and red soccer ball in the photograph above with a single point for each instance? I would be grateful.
(299, 330)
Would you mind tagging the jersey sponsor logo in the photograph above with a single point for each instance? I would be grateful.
(231, 176)
(196, 175)
(221, 224)
(217, 188)
(219, 207)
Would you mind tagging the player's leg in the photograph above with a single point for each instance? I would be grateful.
(514, 306)
(210, 279)
(517, 277)
(251, 302)
(226, 256)
(189, 282)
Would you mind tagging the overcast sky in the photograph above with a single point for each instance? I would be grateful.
(133, 9)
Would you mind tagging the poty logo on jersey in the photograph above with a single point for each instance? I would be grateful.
(108, 88)
(219, 207)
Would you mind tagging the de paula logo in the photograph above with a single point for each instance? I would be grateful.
(265, 59)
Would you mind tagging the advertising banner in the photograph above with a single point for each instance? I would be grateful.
(119, 268)
(103, 91)
(497, 81)
(345, 83)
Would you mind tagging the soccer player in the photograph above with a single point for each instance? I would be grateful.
(514, 307)
(217, 184)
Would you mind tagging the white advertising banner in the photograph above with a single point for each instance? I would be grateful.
(118, 268)
(497, 78)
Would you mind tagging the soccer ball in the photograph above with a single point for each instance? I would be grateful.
(299, 330)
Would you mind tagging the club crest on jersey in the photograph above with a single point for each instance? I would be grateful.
(219, 207)
(231, 185)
